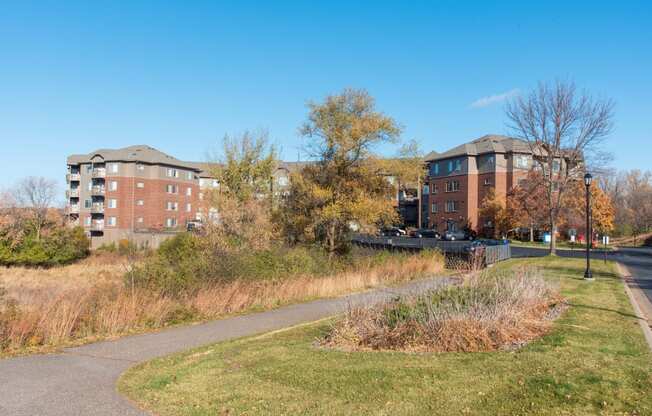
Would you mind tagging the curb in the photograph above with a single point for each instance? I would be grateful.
(642, 320)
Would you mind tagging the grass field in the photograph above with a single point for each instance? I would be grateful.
(561, 245)
(594, 362)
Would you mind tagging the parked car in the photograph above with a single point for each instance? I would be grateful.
(458, 235)
(392, 232)
(425, 233)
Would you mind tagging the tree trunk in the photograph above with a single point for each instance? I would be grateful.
(531, 233)
(331, 240)
(553, 237)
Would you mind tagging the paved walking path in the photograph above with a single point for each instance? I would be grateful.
(81, 380)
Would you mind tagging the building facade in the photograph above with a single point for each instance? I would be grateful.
(143, 195)
(460, 179)
(125, 193)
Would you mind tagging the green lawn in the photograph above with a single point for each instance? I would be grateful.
(561, 245)
(594, 362)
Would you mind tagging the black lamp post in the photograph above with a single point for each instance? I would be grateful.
(589, 233)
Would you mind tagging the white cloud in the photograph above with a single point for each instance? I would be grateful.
(493, 99)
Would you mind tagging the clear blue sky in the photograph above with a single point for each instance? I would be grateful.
(179, 75)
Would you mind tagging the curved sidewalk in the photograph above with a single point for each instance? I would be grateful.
(81, 380)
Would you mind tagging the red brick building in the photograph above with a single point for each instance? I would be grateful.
(116, 194)
(143, 195)
(459, 179)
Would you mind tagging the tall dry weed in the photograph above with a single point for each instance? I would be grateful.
(52, 307)
(485, 313)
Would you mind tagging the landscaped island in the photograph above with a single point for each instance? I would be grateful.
(593, 361)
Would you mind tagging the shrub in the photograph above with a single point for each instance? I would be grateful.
(485, 313)
(60, 245)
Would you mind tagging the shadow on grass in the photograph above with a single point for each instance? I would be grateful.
(577, 273)
(597, 308)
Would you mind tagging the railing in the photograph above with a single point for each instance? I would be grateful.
(98, 173)
(73, 177)
(72, 193)
(73, 209)
(97, 226)
(494, 251)
(97, 208)
(97, 190)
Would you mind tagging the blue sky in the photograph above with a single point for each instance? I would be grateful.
(179, 75)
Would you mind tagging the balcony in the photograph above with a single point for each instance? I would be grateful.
(97, 226)
(73, 177)
(97, 191)
(72, 193)
(98, 173)
(72, 209)
(97, 208)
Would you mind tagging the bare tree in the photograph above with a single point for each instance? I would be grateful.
(36, 195)
(565, 129)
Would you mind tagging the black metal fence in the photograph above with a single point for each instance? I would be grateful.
(493, 250)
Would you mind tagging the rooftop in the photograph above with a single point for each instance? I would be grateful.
(490, 143)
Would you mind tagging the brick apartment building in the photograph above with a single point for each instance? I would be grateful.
(459, 179)
(141, 194)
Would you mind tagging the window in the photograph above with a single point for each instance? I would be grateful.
(90, 185)
(87, 221)
(452, 186)
(282, 181)
(140, 185)
(113, 167)
(189, 175)
(112, 221)
(113, 203)
(433, 208)
(522, 161)
(458, 165)
(490, 160)
(140, 220)
(188, 207)
(556, 166)
(171, 189)
(171, 173)
(188, 191)
(172, 206)
(140, 202)
(215, 183)
(435, 189)
(170, 222)
(487, 181)
(452, 206)
(140, 166)
(113, 186)
(426, 190)
(450, 166)
(87, 203)
(89, 168)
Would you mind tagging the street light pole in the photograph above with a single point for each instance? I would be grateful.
(589, 233)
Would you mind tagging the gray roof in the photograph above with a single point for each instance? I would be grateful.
(490, 143)
(138, 153)
(206, 168)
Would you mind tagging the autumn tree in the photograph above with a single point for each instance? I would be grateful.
(565, 129)
(343, 188)
(244, 170)
(602, 209)
(493, 209)
(526, 203)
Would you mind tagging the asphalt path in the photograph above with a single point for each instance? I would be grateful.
(82, 380)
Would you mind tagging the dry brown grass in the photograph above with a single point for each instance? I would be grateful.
(485, 313)
(44, 308)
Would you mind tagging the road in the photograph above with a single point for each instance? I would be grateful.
(81, 381)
